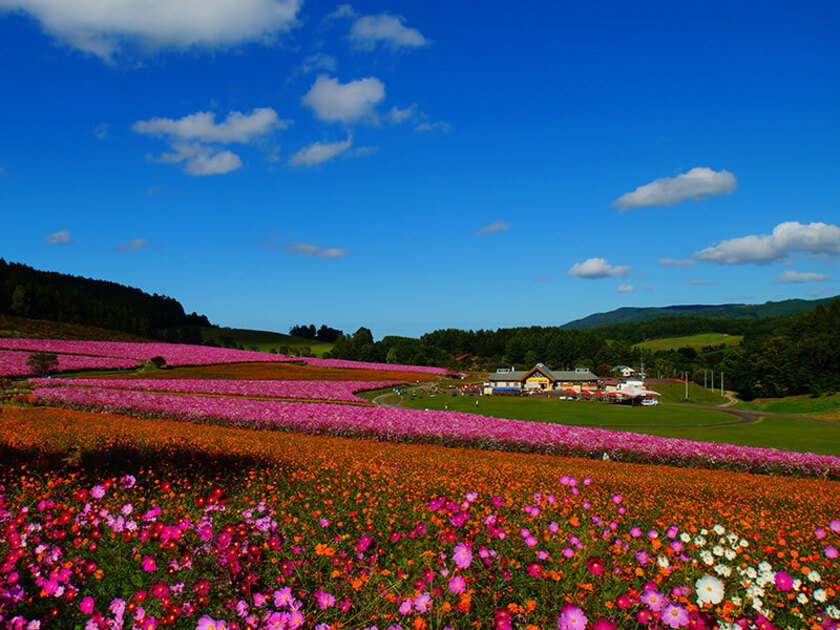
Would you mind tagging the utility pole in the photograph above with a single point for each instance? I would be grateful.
(721, 384)
(686, 385)
(705, 385)
(713, 380)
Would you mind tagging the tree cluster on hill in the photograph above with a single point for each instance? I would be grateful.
(28, 292)
(324, 333)
(780, 356)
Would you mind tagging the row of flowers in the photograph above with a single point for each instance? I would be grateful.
(13, 363)
(444, 428)
(329, 533)
(183, 354)
(338, 391)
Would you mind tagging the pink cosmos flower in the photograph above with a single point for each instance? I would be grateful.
(87, 605)
(457, 584)
(572, 618)
(97, 492)
(148, 563)
(653, 598)
(834, 525)
(325, 600)
(208, 623)
(406, 607)
(462, 556)
(831, 552)
(423, 602)
(604, 624)
(674, 616)
(283, 597)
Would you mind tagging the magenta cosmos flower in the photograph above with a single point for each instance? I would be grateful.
(208, 623)
(87, 605)
(572, 618)
(457, 584)
(784, 581)
(462, 556)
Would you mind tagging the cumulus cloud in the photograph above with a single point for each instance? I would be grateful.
(790, 277)
(625, 288)
(595, 268)
(133, 245)
(319, 62)
(191, 138)
(670, 262)
(60, 238)
(701, 283)
(106, 28)
(397, 115)
(390, 31)
(498, 226)
(816, 239)
(202, 126)
(101, 131)
(311, 249)
(345, 102)
(367, 32)
(319, 152)
(696, 184)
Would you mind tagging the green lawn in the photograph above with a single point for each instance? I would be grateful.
(675, 392)
(693, 341)
(265, 341)
(796, 405)
(578, 412)
(781, 433)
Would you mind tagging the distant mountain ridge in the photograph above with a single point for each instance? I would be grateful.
(627, 315)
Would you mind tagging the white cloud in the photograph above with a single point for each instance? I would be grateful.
(333, 101)
(789, 277)
(425, 127)
(625, 288)
(191, 138)
(594, 268)
(311, 249)
(133, 245)
(701, 283)
(498, 226)
(390, 31)
(697, 184)
(397, 115)
(648, 287)
(319, 62)
(60, 238)
(815, 239)
(105, 28)
(202, 126)
(670, 262)
(342, 11)
(101, 131)
(319, 152)
(540, 279)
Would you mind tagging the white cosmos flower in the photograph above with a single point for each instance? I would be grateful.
(813, 576)
(717, 550)
(729, 554)
(685, 537)
(802, 598)
(820, 595)
(719, 529)
(709, 590)
(699, 541)
(752, 573)
(724, 570)
(707, 558)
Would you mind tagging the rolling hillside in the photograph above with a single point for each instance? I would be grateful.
(720, 311)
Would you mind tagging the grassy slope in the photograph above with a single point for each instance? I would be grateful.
(693, 341)
(780, 433)
(798, 405)
(13, 326)
(265, 341)
(675, 393)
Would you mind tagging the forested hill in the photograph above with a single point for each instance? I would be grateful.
(31, 293)
(720, 311)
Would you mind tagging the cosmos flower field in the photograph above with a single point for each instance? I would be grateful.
(125, 507)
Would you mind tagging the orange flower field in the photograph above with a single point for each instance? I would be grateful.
(116, 522)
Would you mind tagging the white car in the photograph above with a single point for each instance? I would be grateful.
(649, 402)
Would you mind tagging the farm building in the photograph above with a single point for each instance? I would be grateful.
(540, 378)
(624, 370)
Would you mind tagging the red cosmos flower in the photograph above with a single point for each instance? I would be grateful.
(595, 565)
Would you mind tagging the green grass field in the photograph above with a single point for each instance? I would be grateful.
(265, 341)
(694, 341)
(675, 393)
(796, 405)
(780, 433)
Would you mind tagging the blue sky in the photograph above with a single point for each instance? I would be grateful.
(411, 166)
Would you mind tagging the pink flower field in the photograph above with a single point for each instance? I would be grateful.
(338, 391)
(13, 364)
(442, 428)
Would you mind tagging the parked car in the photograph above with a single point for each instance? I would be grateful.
(649, 402)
